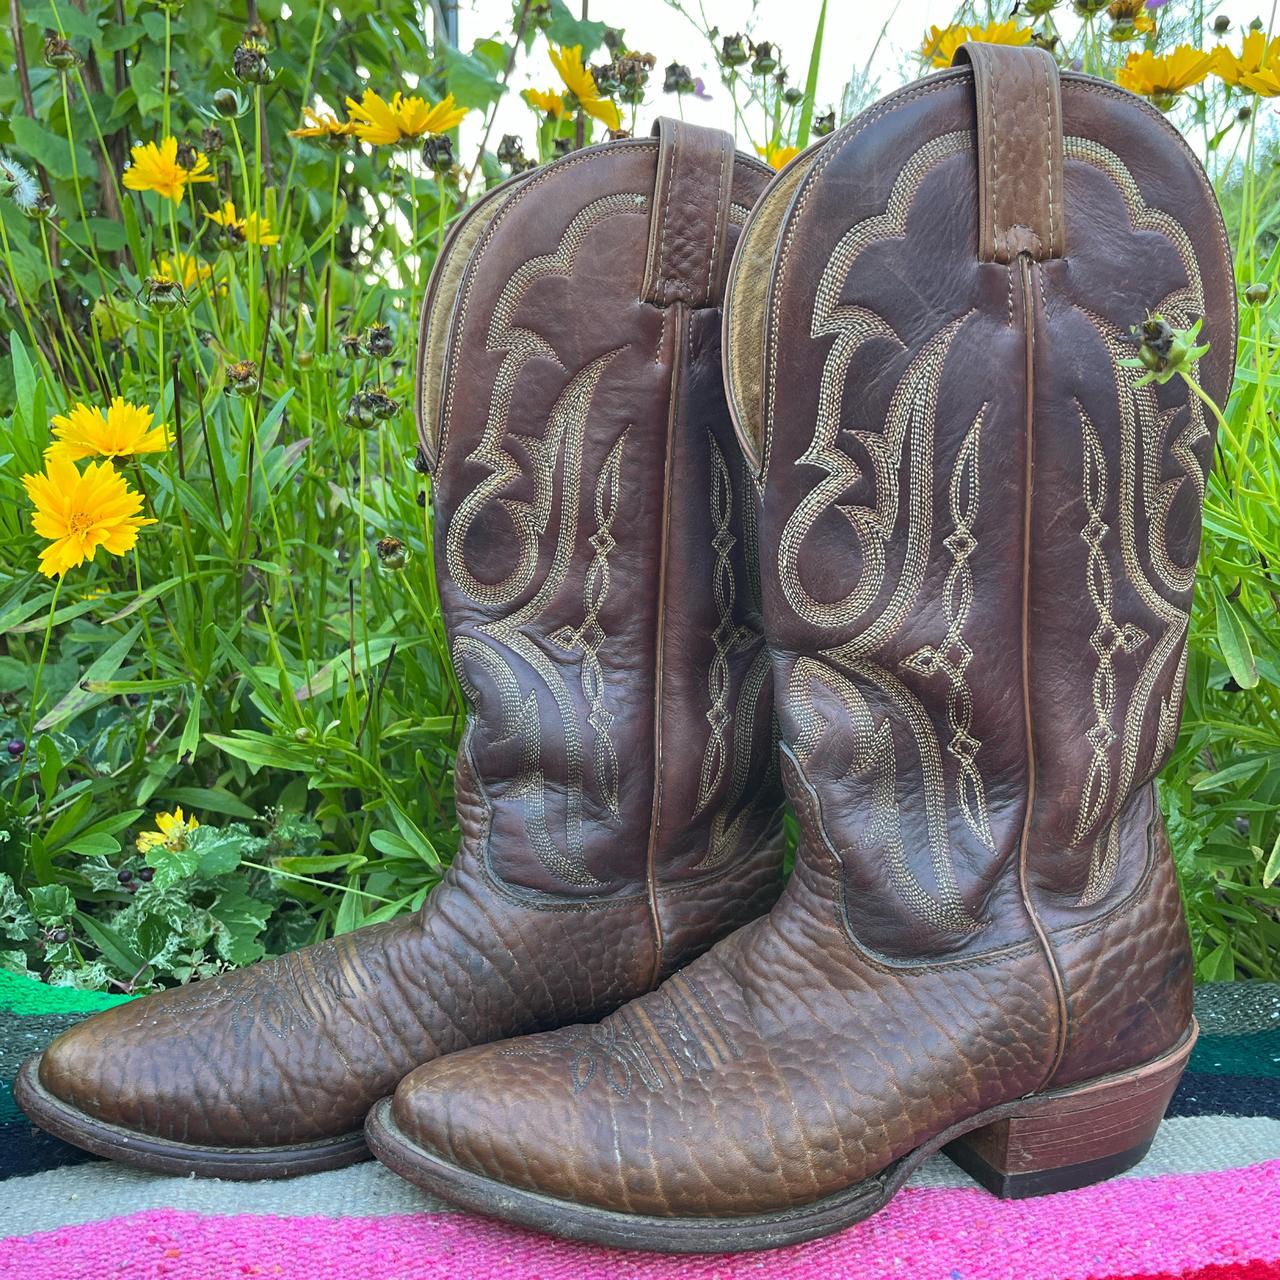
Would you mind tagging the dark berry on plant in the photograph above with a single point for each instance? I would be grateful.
(59, 936)
(124, 875)
(16, 747)
(146, 874)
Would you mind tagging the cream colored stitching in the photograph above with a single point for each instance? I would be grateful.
(589, 635)
(1107, 639)
(910, 415)
(952, 658)
(728, 635)
(1143, 488)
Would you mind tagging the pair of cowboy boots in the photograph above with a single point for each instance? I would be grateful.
(965, 527)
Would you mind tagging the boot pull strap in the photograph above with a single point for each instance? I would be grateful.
(1019, 114)
(689, 220)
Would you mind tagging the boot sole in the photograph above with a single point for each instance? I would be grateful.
(1048, 1142)
(161, 1155)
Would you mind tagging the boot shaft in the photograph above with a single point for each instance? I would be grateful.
(981, 527)
(592, 519)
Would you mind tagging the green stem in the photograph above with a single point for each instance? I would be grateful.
(35, 690)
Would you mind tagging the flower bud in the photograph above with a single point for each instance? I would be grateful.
(1257, 293)
(437, 153)
(1221, 24)
(824, 124)
(350, 345)
(212, 141)
(378, 341)
(42, 209)
(162, 295)
(249, 63)
(764, 60)
(58, 52)
(360, 413)
(243, 378)
(1039, 8)
(733, 51)
(226, 102)
(393, 555)
(677, 79)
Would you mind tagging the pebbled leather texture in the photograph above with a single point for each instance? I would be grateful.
(1019, 143)
(616, 791)
(970, 511)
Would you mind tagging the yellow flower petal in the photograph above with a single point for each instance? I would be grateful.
(940, 43)
(581, 83)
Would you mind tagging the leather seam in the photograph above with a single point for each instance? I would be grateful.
(1062, 1012)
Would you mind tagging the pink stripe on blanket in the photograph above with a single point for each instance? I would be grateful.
(1123, 1228)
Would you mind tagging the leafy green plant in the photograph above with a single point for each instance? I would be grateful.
(269, 653)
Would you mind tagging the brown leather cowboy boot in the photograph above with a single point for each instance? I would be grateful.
(616, 788)
(977, 547)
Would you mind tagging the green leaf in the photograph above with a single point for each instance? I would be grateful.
(122, 35)
(1271, 872)
(49, 764)
(171, 865)
(564, 29)
(95, 844)
(113, 947)
(1232, 773)
(1219, 965)
(242, 918)
(48, 148)
(811, 81)
(318, 864)
(210, 799)
(218, 850)
(1233, 641)
(471, 80)
(52, 904)
(102, 668)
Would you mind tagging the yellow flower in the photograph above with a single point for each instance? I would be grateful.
(253, 227)
(80, 513)
(186, 269)
(548, 101)
(323, 124)
(778, 157)
(123, 431)
(384, 124)
(172, 832)
(940, 43)
(582, 85)
(1164, 76)
(156, 168)
(1257, 67)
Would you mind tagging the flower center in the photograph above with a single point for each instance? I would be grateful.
(81, 524)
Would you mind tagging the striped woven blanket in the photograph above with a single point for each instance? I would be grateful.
(1204, 1205)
